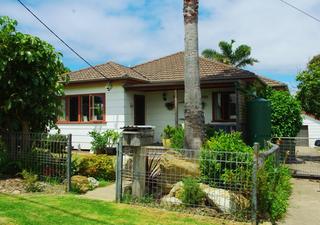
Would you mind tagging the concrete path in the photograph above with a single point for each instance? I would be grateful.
(304, 206)
(107, 193)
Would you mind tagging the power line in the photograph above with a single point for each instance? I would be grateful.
(300, 10)
(60, 39)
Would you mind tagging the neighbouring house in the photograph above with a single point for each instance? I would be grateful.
(152, 93)
(310, 130)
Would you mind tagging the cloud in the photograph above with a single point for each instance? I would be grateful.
(131, 31)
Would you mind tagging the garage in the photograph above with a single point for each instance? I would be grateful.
(303, 136)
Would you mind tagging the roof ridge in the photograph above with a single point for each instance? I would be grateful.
(126, 67)
(90, 67)
(112, 64)
(158, 59)
(267, 78)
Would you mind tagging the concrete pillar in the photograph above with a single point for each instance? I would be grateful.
(139, 172)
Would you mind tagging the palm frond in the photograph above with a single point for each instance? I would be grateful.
(246, 61)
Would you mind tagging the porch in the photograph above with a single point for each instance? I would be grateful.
(162, 104)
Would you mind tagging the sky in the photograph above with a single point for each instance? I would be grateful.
(130, 32)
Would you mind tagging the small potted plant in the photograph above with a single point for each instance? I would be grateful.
(104, 142)
(167, 134)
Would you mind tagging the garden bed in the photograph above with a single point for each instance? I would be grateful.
(17, 186)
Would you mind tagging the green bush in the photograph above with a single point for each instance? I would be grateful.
(103, 140)
(97, 166)
(31, 182)
(80, 184)
(177, 139)
(219, 159)
(168, 132)
(56, 143)
(274, 190)
(4, 159)
(191, 194)
(220, 162)
(286, 117)
(209, 131)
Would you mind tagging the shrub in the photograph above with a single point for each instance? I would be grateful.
(219, 159)
(286, 117)
(103, 140)
(97, 166)
(209, 130)
(168, 132)
(191, 193)
(80, 184)
(274, 190)
(4, 159)
(31, 182)
(177, 139)
(56, 143)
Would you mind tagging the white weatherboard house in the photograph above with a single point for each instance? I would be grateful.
(310, 129)
(152, 93)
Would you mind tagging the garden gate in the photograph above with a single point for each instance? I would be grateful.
(301, 155)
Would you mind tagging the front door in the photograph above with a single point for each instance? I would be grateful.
(139, 110)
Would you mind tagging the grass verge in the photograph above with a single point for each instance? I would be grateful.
(71, 209)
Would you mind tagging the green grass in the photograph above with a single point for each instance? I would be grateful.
(104, 183)
(37, 209)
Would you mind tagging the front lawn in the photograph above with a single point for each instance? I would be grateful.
(71, 209)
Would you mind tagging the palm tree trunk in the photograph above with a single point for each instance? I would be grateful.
(194, 118)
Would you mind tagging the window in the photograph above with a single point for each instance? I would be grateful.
(83, 108)
(224, 106)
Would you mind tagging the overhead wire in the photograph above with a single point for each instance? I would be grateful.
(300, 10)
(60, 39)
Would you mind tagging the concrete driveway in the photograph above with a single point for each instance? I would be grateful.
(304, 206)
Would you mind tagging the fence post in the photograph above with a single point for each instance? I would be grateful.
(254, 183)
(69, 149)
(119, 171)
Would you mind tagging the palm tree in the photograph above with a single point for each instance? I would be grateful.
(194, 118)
(240, 57)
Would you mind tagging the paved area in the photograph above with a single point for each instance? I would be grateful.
(304, 206)
(107, 193)
(308, 162)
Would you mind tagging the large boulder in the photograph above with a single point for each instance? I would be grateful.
(170, 201)
(224, 200)
(93, 183)
(174, 168)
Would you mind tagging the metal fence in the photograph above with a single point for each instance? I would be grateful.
(301, 155)
(46, 155)
(219, 182)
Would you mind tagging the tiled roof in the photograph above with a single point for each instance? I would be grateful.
(168, 68)
(171, 68)
(110, 70)
(272, 83)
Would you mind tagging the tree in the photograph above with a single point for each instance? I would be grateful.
(30, 71)
(194, 117)
(309, 87)
(240, 57)
(286, 117)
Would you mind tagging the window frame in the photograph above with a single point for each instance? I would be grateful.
(80, 120)
(213, 105)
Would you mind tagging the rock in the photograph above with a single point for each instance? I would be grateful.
(225, 200)
(93, 183)
(170, 201)
(16, 192)
(173, 168)
(80, 184)
(178, 187)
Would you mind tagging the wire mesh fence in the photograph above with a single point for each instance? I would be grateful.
(301, 154)
(46, 155)
(210, 183)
